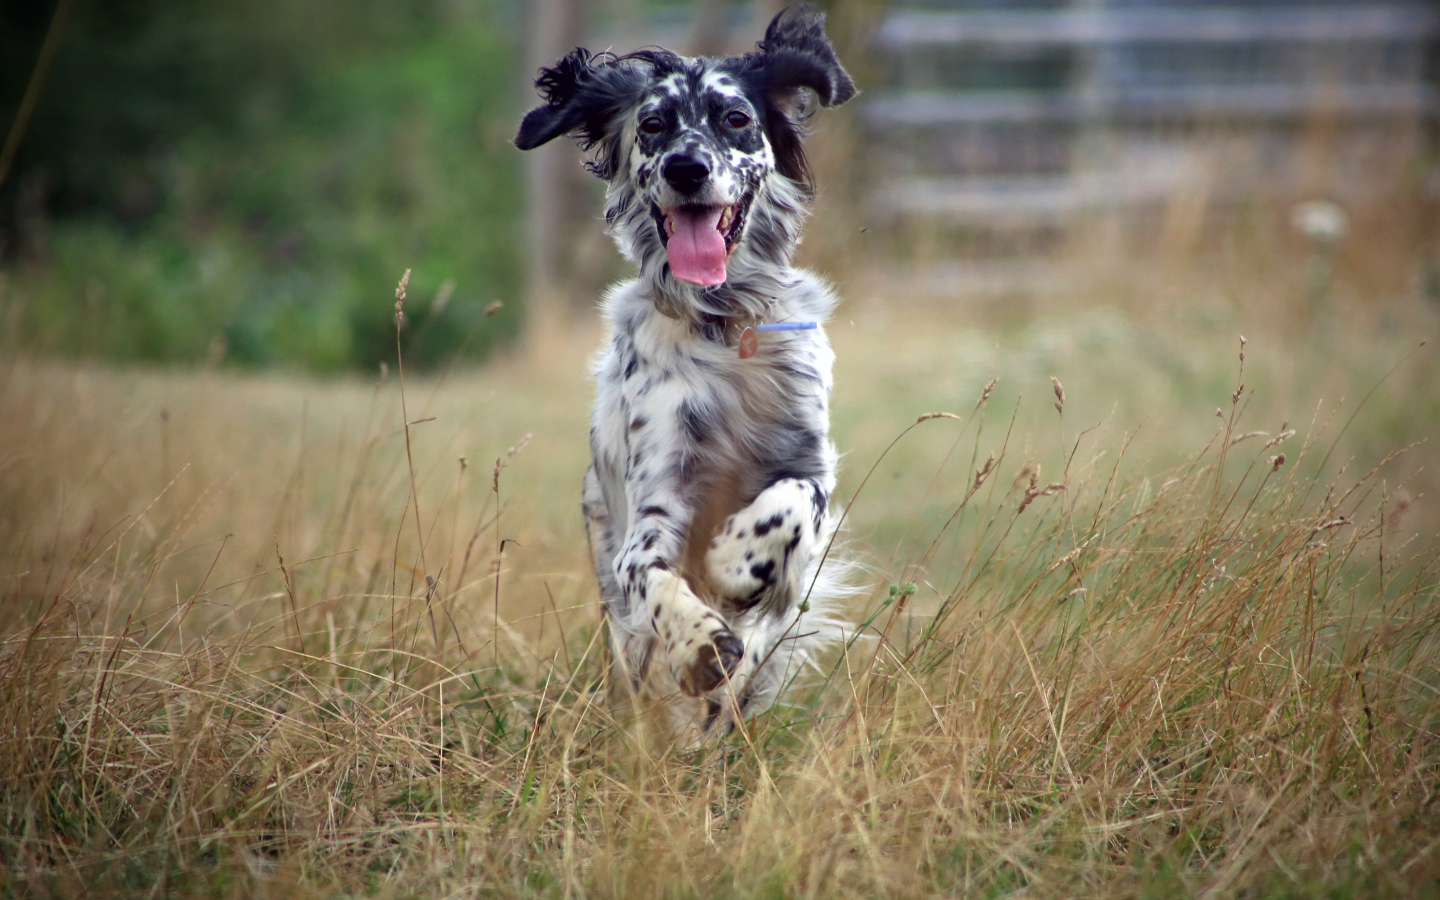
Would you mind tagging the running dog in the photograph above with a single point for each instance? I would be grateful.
(707, 501)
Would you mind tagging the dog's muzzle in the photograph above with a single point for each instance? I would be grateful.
(698, 237)
(685, 173)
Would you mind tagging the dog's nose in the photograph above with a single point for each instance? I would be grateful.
(685, 173)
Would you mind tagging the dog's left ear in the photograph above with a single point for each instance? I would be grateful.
(796, 54)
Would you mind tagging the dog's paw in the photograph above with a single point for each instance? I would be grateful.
(757, 547)
(702, 664)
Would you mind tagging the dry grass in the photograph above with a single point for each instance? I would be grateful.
(1188, 663)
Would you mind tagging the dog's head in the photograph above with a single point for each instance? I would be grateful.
(703, 156)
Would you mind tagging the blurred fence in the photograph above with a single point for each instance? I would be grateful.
(1004, 116)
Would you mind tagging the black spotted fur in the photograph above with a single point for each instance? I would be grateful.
(707, 499)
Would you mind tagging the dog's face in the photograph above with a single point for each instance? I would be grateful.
(698, 157)
(690, 145)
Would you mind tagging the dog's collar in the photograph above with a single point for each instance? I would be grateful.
(738, 331)
(750, 338)
(743, 333)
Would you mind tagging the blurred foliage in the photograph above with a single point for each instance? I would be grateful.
(248, 181)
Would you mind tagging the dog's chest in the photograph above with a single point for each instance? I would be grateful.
(695, 385)
(700, 418)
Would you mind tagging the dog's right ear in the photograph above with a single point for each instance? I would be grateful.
(560, 86)
(584, 94)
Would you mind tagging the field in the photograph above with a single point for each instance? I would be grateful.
(1164, 626)
(1142, 503)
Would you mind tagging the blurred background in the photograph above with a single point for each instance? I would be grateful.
(1108, 192)
(241, 184)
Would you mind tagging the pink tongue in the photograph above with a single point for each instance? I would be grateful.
(696, 249)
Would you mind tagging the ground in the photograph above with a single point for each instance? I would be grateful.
(1158, 646)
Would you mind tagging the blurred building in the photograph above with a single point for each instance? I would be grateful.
(1024, 113)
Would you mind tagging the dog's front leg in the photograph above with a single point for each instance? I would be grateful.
(699, 647)
(761, 553)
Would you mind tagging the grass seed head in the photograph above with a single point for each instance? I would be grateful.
(1285, 432)
(983, 472)
(1033, 489)
(400, 300)
(1028, 474)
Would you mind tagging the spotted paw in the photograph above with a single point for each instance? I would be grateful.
(712, 663)
(761, 547)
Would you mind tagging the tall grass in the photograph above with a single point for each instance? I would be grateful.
(226, 673)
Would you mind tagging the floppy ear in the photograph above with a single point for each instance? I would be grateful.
(796, 54)
(563, 89)
(584, 95)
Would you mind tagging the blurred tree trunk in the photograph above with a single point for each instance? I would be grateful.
(714, 32)
(555, 182)
(710, 35)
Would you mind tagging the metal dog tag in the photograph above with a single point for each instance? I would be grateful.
(749, 343)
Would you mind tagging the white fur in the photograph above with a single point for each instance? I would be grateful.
(707, 502)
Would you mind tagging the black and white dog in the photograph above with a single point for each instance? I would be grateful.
(707, 500)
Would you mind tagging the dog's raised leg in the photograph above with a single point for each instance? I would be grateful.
(757, 564)
(761, 553)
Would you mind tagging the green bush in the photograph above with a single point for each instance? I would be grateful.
(249, 185)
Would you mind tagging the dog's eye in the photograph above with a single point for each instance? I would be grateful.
(652, 125)
(736, 119)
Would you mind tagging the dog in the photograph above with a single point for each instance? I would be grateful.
(707, 501)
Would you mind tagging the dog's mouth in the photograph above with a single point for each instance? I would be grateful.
(699, 239)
